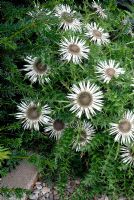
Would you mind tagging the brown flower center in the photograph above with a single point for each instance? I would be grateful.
(83, 136)
(39, 67)
(97, 34)
(85, 99)
(67, 17)
(58, 125)
(74, 49)
(33, 113)
(124, 126)
(110, 72)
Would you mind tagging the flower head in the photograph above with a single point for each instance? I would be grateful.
(67, 18)
(127, 154)
(99, 10)
(97, 34)
(38, 11)
(108, 69)
(74, 49)
(85, 136)
(55, 127)
(32, 114)
(86, 98)
(124, 130)
(36, 70)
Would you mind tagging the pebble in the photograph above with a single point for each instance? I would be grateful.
(47, 195)
(36, 191)
(71, 190)
(77, 182)
(45, 190)
(51, 197)
(42, 198)
(38, 183)
(39, 187)
(55, 192)
(56, 197)
(42, 192)
(33, 197)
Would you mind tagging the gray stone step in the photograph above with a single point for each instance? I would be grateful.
(23, 176)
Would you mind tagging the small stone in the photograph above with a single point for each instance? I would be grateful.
(39, 187)
(51, 197)
(77, 181)
(44, 184)
(38, 183)
(42, 198)
(55, 192)
(71, 190)
(45, 190)
(36, 191)
(33, 197)
(56, 197)
(47, 195)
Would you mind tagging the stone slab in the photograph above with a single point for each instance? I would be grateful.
(23, 176)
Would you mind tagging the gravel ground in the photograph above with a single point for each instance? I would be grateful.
(41, 191)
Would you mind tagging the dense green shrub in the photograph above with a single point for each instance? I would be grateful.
(98, 163)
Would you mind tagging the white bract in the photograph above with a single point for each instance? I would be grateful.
(73, 49)
(127, 154)
(38, 11)
(55, 128)
(108, 69)
(32, 115)
(67, 18)
(99, 10)
(97, 34)
(36, 70)
(85, 98)
(86, 135)
(124, 129)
